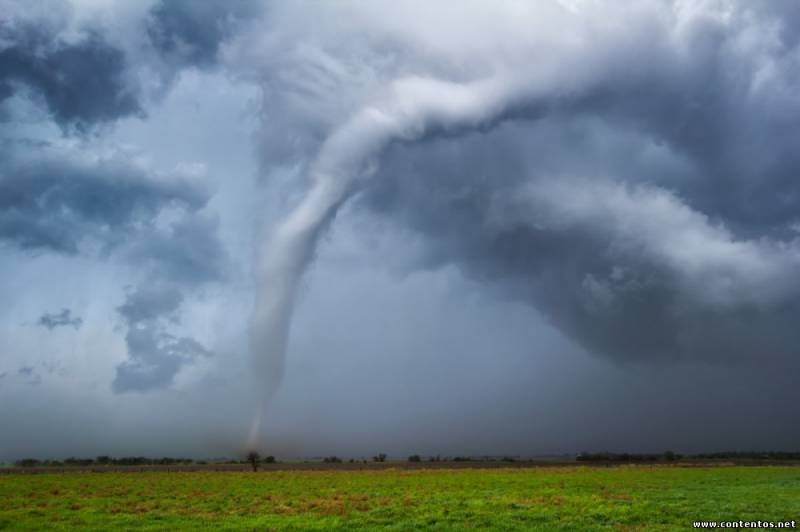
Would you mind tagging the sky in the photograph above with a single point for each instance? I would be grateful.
(316, 228)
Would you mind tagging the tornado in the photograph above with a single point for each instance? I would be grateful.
(415, 108)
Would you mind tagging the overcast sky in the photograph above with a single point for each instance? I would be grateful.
(401, 227)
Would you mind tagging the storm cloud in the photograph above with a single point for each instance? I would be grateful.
(60, 319)
(667, 260)
(155, 355)
(468, 228)
(59, 200)
(191, 33)
(82, 82)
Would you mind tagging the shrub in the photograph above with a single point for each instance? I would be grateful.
(414, 458)
(253, 457)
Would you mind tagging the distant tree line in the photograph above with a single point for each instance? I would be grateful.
(439, 458)
(669, 456)
(751, 455)
(254, 459)
(104, 460)
(131, 461)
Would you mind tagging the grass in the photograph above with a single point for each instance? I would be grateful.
(548, 498)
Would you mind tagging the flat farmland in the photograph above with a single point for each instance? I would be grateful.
(632, 497)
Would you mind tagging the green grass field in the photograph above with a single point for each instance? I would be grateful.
(545, 498)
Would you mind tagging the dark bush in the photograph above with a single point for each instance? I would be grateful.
(414, 458)
(253, 457)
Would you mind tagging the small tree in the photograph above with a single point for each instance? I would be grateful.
(381, 457)
(414, 458)
(269, 459)
(253, 457)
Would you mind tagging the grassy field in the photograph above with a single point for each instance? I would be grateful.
(547, 498)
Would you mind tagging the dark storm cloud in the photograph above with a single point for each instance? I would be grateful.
(82, 82)
(190, 33)
(71, 201)
(627, 175)
(734, 130)
(155, 356)
(146, 303)
(648, 216)
(57, 202)
(605, 279)
(60, 319)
